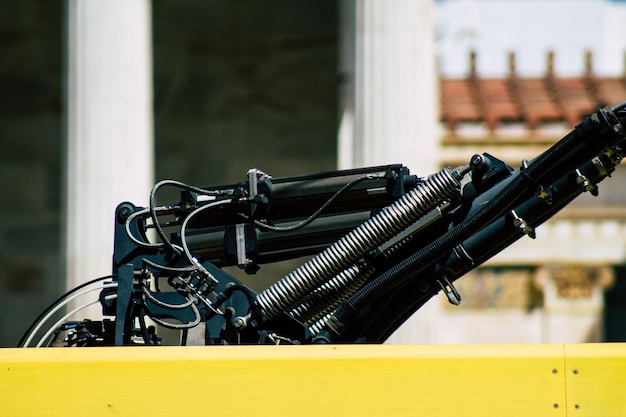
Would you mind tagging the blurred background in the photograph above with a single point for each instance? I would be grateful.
(102, 98)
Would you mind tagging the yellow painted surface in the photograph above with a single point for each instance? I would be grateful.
(596, 379)
(361, 380)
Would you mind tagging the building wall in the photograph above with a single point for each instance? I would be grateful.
(245, 85)
(30, 162)
(587, 236)
(237, 85)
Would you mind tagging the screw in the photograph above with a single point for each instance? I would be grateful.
(555, 371)
(575, 371)
(555, 405)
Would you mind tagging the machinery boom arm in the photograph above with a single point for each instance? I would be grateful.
(378, 243)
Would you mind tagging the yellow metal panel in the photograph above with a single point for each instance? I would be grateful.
(474, 380)
(596, 379)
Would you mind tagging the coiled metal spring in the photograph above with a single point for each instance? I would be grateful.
(353, 246)
(329, 295)
(314, 308)
(318, 326)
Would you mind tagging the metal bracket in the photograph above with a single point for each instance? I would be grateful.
(453, 295)
(125, 283)
(586, 184)
(240, 244)
(522, 225)
(254, 175)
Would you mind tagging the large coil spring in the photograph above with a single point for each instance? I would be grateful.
(353, 246)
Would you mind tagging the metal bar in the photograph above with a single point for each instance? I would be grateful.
(344, 380)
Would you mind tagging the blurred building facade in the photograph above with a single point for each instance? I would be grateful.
(514, 77)
(561, 286)
(295, 88)
(234, 86)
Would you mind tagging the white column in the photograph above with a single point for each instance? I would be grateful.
(109, 126)
(389, 100)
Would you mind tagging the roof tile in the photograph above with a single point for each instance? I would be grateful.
(528, 100)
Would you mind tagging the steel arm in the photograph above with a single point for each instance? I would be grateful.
(379, 242)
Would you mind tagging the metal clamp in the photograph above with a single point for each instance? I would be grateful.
(453, 295)
(522, 225)
(586, 184)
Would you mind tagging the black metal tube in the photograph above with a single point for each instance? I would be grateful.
(298, 197)
(407, 298)
(277, 246)
(558, 158)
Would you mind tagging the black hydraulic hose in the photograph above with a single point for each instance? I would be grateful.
(520, 187)
(358, 242)
(56, 302)
(444, 244)
(479, 248)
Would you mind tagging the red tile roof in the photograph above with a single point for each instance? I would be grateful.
(530, 101)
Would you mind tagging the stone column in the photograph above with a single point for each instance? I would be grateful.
(389, 100)
(573, 302)
(389, 108)
(109, 155)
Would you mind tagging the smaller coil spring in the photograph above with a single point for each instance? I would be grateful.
(318, 326)
(329, 295)
(349, 249)
(353, 278)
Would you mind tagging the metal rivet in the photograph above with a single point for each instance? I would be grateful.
(575, 371)
(555, 405)
(577, 406)
(555, 371)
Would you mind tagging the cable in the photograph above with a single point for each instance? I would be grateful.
(178, 184)
(620, 106)
(167, 268)
(381, 227)
(61, 305)
(189, 325)
(136, 240)
(45, 312)
(518, 188)
(183, 227)
(319, 211)
(158, 302)
(62, 319)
